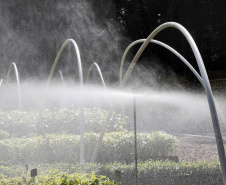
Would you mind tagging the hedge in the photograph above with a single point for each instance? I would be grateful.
(67, 120)
(116, 147)
(166, 173)
(149, 172)
(56, 177)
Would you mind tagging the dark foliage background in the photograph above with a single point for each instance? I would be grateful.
(202, 18)
(31, 33)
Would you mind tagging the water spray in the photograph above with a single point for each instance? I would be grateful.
(205, 79)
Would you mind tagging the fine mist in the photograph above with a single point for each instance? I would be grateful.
(33, 41)
(172, 111)
(33, 33)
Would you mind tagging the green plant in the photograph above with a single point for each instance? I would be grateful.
(166, 173)
(66, 120)
(149, 172)
(3, 134)
(57, 177)
(115, 147)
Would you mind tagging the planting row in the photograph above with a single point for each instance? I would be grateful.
(115, 146)
(149, 172)
(62, 179)
(67, 120)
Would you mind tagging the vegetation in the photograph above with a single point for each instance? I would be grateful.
(150, 172)
(167, 172)
(56, 153)
(115, 147)
(56, 177)
(17, 123)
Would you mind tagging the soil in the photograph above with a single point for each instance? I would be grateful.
(196, 148)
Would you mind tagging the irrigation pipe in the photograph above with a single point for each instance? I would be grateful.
(206, 84)
(103, 130)
(99, 72)
(101, 77)
(17, 81)
(81, 89)
(135, 137)
(61, 77)
(1, 82)
(163, 45)
(178, 55)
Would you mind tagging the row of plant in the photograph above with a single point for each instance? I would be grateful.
(115, 146)
(61, 179)
(66, 120)
(166, 173)
(149, 172)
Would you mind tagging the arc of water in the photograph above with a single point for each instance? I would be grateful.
(81, 89)
(206, 84)
(18, 83)
(103, 130)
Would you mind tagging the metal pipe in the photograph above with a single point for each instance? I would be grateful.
(206, 84)
(135, 137)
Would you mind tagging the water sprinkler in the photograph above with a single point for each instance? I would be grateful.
(103, 130)
(17, 80)
(101, 77)
(99, 72)
(135, 137)
(163, 45)
(174, 52)
(1, 82)
(61, 77)
(205, 82)
(81, 89)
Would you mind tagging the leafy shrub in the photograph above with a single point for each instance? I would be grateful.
(9, 171)
(149, 172)
(56, 177)
(3, 134)
(166, 173)
(119, 146)
(65, 120)
(116, 146)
